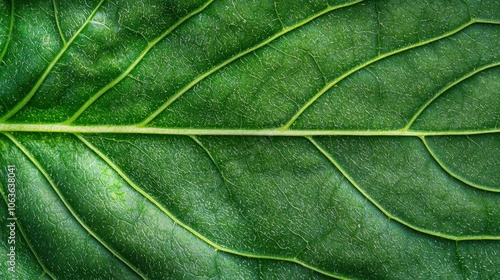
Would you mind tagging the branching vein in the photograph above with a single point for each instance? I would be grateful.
(51, 182)
(131, 67)
(451, 173)
(365, 64)
(446, 88)
(237, 56)
(56, 16)
(182, 224)
(387, 213)
(9, 35)
(28, 243)
(49, 68)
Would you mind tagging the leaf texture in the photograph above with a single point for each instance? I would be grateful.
(220, 139)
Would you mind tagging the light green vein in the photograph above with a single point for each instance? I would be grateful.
(219, 170)
(56, 16)
(317, 240)
(224, 179)
(49, 68)
(446, 88)
(131, 67)
(237, 56)
(185, 226)
(227, 181)
(61, 128)
(68, 206)
(138, 189)
(487, 21)
(25, 237)
(367, 63)
(468, 9)
(277, 14)
(385, 212)
(452, 174)
(9, 35)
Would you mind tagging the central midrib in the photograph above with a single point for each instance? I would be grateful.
(128, 129)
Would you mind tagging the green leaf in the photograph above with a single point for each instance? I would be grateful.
(279, 139)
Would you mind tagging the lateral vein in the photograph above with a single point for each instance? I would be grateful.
(237, 56)
(452, 174)
(365, 64)
(213, 244)
(446, 88)
(132, 66)
(28, 242)
(387, 213)
(56, 16)
(49, 68)
(11, 27)
(51, 182)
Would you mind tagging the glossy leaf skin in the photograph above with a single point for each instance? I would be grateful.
(261, 139)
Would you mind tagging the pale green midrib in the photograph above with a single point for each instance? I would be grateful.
(172, 217)
(239, 55)
(49, 68)
(59, 29)
(9, 35)
(42, 170)
(62, 128)
(446, 88)
(452, 174)
(389, 215)
(132, 66)
(372, 61)
(28, 242)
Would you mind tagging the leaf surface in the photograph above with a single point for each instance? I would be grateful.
(251, 139)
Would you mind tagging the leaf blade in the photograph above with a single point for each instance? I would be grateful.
(261, 139)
